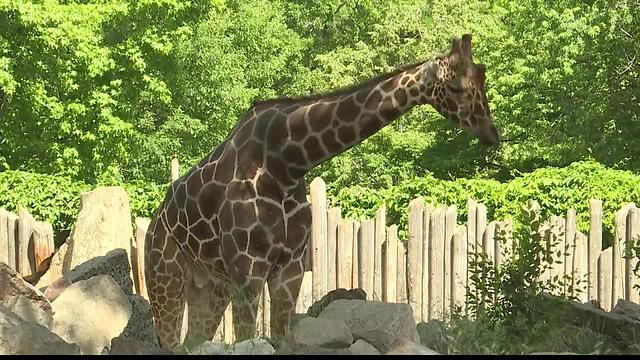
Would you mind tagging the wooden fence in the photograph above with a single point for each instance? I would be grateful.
(26, 245)
(430, 271)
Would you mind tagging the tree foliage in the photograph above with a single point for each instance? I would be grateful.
(110, 90)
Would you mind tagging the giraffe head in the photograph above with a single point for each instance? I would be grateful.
(456, 88)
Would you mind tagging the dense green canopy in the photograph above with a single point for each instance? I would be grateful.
(110, 90)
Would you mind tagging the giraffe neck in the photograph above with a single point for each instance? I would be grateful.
(324, 128)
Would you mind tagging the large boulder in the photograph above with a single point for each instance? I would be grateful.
(125, 346)
(329, 333)
(333, 295)
(251, 347)
(103, 224)
(378, 323)
(628, 309)
(618, 324)
(90, 313)
(408, 347)
(22, 298)
(140, 326)
(20, 337)
(361, 347)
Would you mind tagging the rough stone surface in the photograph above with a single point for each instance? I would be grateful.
(361, 347)
(22, 298)
(628, 309)
(378, 323)
(209, 348)
(140, 326)
(337, 294)
(29, 311)
(115, 264)
(19, 337)
(251, 347)
(124, 346)
(103, 224)
(56, 288)
(620, 327)
(408, 347)
(330, 333)
(90, 313)
(289, 348)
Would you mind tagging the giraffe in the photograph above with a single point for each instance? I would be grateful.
(240, 218)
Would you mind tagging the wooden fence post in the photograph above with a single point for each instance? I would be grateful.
(436, 268)
(401, 279)
(426, 260)
(366, 254)
(25, 229)
(12, 239)
(619, 262)
(319, 237)
(390, 265)
(634, 232)
(380, 235)
(459, 268)
(142, 226)
(414, 257)
(355, 257)
(175, 169)
(604, 273)
(345, 250)
(451, 217)
(4, 238)
(333, 219)
(472, 206)
(594, 245)
(580, 276)
(570, 249)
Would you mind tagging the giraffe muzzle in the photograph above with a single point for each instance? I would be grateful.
(489, 136)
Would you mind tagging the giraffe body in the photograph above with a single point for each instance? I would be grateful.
(240, 217)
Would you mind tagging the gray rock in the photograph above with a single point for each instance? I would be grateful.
(140, 326)
(361, 347)
(209, 348)
(290, 348)
(408, 347)
(19, 337)
(337, 294)
(103, 224)
(623, 328)
(22, 298)
(378, 323)
(115, 264)
(29, 311)
(56, 288)
(251, 347)
(628, 309)
(329, 333)
(124, 346)
(90, 313)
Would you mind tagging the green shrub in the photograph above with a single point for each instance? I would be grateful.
(555, 189)
(56, 199)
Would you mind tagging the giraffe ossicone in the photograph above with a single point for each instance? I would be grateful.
(240, 217)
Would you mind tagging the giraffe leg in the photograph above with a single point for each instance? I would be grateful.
(165, 275)
(286, 278)
(284, 287)
(206, 308)
(244, 303)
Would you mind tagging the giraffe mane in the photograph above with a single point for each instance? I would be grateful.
(340, 91)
